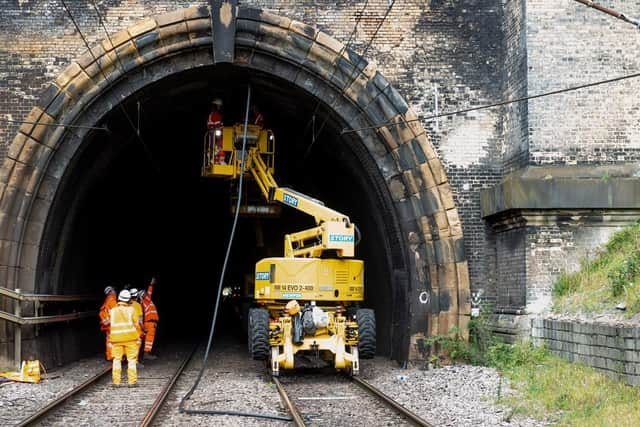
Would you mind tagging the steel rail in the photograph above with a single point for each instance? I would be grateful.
(410, 416)
(157, 404)
(293, 410)
(45, 410)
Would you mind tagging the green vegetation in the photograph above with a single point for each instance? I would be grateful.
(546, 387)
(574, 394)
(604, 282)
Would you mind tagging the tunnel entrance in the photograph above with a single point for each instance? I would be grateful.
(89, 208)
(145, 210)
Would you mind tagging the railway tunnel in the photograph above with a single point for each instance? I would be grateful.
(92, 208)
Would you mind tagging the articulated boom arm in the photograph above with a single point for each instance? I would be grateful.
(333, 231)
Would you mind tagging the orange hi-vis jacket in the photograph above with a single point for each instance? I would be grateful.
(148, 307)
(125, 324)
(105, 311)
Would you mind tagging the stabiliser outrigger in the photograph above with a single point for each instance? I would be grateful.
(307, 301)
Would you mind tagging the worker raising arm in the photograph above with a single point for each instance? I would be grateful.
(150, 318)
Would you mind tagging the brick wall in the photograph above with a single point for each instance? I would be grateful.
(569, 44)
(516, 147)
(611, 349)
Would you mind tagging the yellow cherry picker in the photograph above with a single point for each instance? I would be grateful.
(306, 302)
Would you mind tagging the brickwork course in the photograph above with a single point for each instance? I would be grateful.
(462, 53)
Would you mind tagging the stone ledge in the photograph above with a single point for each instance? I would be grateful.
(534, 188)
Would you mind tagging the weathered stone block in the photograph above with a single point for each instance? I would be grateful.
(304, 30)
(427, 176)
(446, 196)
(170, 18)
(142, 27)
(196, 12)
(439, 174)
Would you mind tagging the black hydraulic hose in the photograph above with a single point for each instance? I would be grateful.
(215, 310)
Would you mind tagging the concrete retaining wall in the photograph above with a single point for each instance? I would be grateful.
(613, 350)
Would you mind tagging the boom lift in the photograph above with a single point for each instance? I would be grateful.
(306, 301)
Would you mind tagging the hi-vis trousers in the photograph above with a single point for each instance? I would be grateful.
(118, 349)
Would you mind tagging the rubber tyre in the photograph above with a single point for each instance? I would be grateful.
(259, 348)
(366, 333)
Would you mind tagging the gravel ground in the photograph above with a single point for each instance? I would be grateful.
(451, 396)
(460, 395)
(19, 400)
(231, 382)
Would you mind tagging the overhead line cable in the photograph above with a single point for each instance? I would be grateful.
(501, 103)
(109, 82)
(353, 75)
(611, 12)
(52, 124)
(342, 50)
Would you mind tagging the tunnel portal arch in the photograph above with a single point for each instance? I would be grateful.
(430, 282)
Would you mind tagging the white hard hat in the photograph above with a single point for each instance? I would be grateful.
(134, 292)
(124, 296)
(217, 102)
(109, 289)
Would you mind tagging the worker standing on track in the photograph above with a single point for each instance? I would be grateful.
(124, 336)
(150, 319)
(110, 301)
(138, 308)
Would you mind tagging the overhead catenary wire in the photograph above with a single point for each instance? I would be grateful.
(610, 11)
(333, 71)
(22, 122)
(498, 104)
(353, 75)
(109, 81)
(217, 304)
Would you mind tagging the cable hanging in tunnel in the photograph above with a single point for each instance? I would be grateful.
(498, 104)
(217, 304)
(22, 122)
(342, 51)
(352, 77)
(109, 81)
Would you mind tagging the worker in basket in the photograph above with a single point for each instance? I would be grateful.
(214, 124)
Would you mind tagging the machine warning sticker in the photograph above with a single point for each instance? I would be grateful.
(340, 238)
(290, 200)
(326, 287)
(262, 275)
(291, 295)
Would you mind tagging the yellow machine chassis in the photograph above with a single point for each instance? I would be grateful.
(339, 338)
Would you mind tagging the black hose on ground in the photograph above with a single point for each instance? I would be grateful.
(215, 310)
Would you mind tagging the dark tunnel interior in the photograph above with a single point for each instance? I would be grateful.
(130, 208)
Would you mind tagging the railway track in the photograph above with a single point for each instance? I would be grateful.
(97, 402)
(341, 401)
